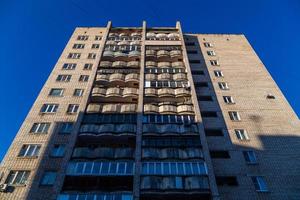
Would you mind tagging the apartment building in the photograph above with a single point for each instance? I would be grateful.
(152, 113)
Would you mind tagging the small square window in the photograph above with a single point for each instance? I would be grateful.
(241, 134)
(228, 99)
(234, 116)
(82, 37)
(98, 37)
(69, 66)
(95, 46)
(207, 44)
(218, 73)
(87, 66)
(73, 108)
(78, 92)
(83, 78)
(211, 53)
(58, 150)
(65, 128)
(223, 86)
(259, 183)
(48, 178)
(214, 62)
(63, 78)
(250, 157)
(91, 56)
(56, 92)
(78, 46)
(74, 55)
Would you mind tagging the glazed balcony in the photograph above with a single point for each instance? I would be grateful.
(132, 77)
(133, 64)
(150, 77)
(167, 109)
(119, 64)
(166, 92)
(182, 92)
(122, 35)
(151, 64)
(111, 42)
(164, 76)
(179, 77)
(185, 109)
(98, 92)
(162, 54)
(120, 55)
(134, 43)
(162, 36)
(108, 54)
(93, 108)
(134, 54)
(151, 53)
(102, 78)
(151, 109)
(105, 64)
(128, 108)
(123, 42)
(175, 54)
(150, 92)
(177, 64)
(95, 195)
(119, 108)
(164, 64)
(172, 153)
(103, 152)
(170, 129)
(107, 129)
(113, 92)
(130, 92)
(116, 77)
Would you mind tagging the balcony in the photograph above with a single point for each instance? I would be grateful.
(151, 64)
(93, 108)
(111, 42)
(164, 64)
(150, 35)
(150, 77)
(150, 92)
(150, 53)
(185, 109)
(172, 153)
(151, 109)
(116, 77)
(107, 129)
(175, 54)
(130, 92)
(135, 43)
(103, 152)
(123, 42)
(98, 92)
(120, 55)
(113, 35)
(167, 109)
(119, 64)
(90, 196)
(133, 64)
(173, 36)
(123, 35)
(102, 78)
(182, 92)
(164, 76)
(111, 108)
(177, 64)
(161, 36)
(108, 54)
(170, 129)
(134, 54)
(162, 54)
(105, 64)
(132, 77)
(179, 77)
(128, 108)
(166, 92)
(113, 92)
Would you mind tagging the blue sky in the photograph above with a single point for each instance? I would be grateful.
(34, 33)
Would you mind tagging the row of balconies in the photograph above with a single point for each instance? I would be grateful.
(118, 77)
(168, 109)
(167, 92)
(177, 64)
(111, 108)
(125, 35)
(121, 55)
(171, 153)
(166, 76)
(123, 42)
(162, 36)
(163, 53)
(96, 129)
(115, 92)
(96, 195)
(103, 152)
(170, 129)
(119, 64)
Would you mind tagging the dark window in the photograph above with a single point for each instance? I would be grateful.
(190, 44)
(195, 61)
(219, 154)
(226, 180)
(205, 98)
(198, 72)
(192, 52)
(213, 132)
(209, 114)
(201, 84)
(65, 127)
(87, 66)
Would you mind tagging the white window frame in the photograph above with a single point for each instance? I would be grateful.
(83, 78)
(223, 85)
(259, 184)
(218, 73)
(211, 53)
(40, 127)
(69, 66)
(16, 173)
(234, 115)
(251, 156)
(60, 94)
(214, 62)
(34, 152)
(64, 78)
(241, 134)
(49, 108)
(73, 108)
(228, 100)
(81, 91)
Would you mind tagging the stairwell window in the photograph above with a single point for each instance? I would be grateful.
(259, 183)
(250, 157)
(214, 62)
(30, 150)
(49, 108)
(211, 53)
(228, 99)
(234, 116)
(40, 128)
(74, 55)
(17, 177)
(73, 108)
(218, 73)
(241, 134)
(223, 86)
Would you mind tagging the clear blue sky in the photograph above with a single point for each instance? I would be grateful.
(34, 33)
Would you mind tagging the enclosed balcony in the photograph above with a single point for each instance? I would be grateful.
(107, 129)
(132, 77)
(166, 92)
(103, 152)
(151, 109)
(134, 43)
(116, 77)
(108, 54)
(167, 109)
(111, 42)
(173, 36)
(113, 35)
(136, 34)
(111, 108)
(133, 64)
(98, 92)
(122, 35)
(150, 77)
(113, 92)
(185, 109)
(170, 129)
(95, 195)
(150, 35)
(119, 64)
(182, 92)
(162, 54)
(151, 53)
(93, 108)
(151, 64)
(179, 77)
(102, 78)
(105, 64)
(172, 153)
(175, 54)
(130, 92)
(178, 64)
(164, 64)
(150, 92)
(120, 55)
(164, 76)
(134, 54)
(124, 42)
(161, 36)
(128, 108)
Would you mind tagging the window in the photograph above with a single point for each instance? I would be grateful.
(190, 44)
(259, 183)
(82, 37)
(234, 116)
(87, 66)
(57, 92)
(74, 55)
(218, 73)
(17, 177)
(195, 61)
(207, 44)
(209, 114)
(98, 37)
(58, 150)
(69, 66)
(40, 128)
(241, 134)
(205, 98)
(78, 92)
(65, 127)
(48, 178)
(83, 78)
(223, 86)
(219, 154)
(49, 108)
(228, 99)
(78, 46)
(72, 108)
(29, 150)
(91, 56)
(226, 180)
(192, 51)
(178, 119)
(214, 62)
(201, 84)
(63, 78)
(211, 53)
(250, 157)
(198, 72)
(213, 132)
(95, 46)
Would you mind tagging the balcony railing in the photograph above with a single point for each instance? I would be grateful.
(111, 108)
(172, 153)
(162, 36)
(107, 129)
(168, 109)
(118, 64)
(165, 129)
(103, 152)
(96, 196)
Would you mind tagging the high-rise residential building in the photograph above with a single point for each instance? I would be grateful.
(151, 113)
